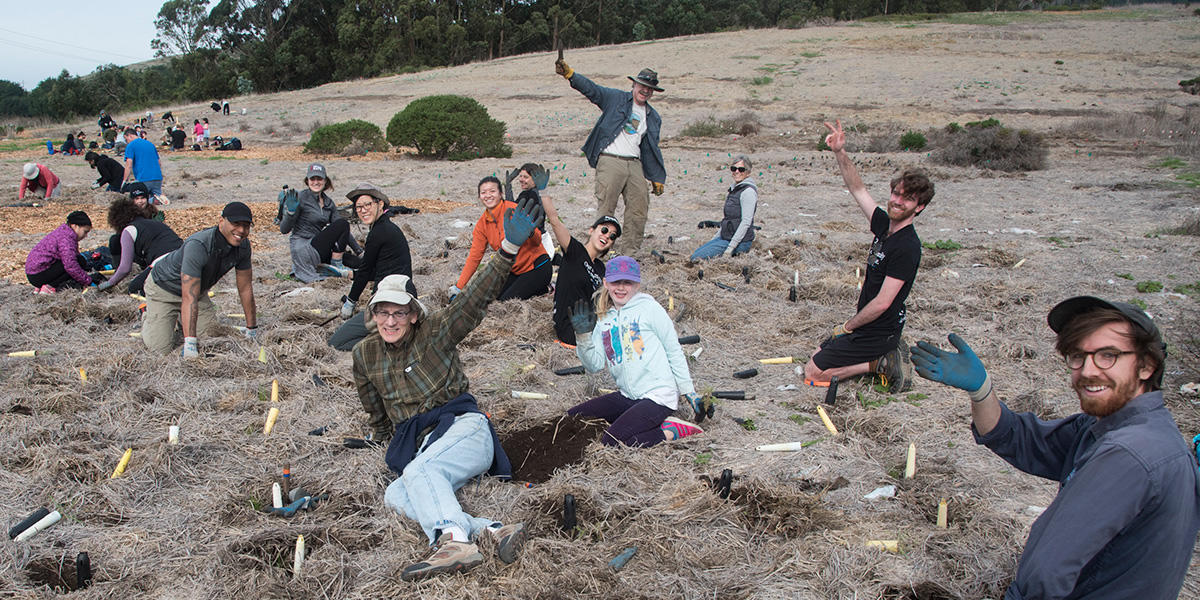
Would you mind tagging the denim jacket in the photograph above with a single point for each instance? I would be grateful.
(615, 106)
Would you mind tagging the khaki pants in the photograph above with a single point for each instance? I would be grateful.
(620, 176)
(163, 310)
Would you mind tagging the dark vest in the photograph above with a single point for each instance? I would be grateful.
(154, 239)
(732, 218)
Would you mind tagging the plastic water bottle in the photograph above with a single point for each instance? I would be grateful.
(49, 147)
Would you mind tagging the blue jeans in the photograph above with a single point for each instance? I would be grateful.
(425, 492)
(716, 246)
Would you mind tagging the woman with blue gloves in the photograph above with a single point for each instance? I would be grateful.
(631, 334)
(319, 235)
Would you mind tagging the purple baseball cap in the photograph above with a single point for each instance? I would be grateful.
(622, 268)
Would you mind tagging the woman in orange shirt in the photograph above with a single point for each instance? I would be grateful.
(531, 271)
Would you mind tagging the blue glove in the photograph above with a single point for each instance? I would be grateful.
(453, 292)
(519, 223)
(700, 406)
(291, 201)
(583, 316)
(541, 178)
(962, 370)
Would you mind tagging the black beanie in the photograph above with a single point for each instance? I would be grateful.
(79, 218)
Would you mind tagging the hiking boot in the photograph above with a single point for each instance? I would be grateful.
(448, 556)
(895, 368)
(681, 428)
(509, 540)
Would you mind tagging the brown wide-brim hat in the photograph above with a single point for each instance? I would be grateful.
(366, 189)
(648, 78)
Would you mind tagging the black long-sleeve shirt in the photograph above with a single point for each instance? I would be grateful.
(386, 253)
(111, 171)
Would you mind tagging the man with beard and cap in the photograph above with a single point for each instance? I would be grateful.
(869, 342)
(1124, 521)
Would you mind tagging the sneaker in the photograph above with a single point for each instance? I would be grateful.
(895, 368)
(46, 289)
(681, 428)
(334, 271)
(509, 540)
(448, 556)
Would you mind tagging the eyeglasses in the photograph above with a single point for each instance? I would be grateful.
(610, 232)
(385, 316)
(738, 169)
(366, 205)
(1104, 358)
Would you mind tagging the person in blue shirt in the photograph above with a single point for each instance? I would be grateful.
(141, 164)
(1124, 521)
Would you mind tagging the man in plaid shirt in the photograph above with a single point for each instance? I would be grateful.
(411, 383)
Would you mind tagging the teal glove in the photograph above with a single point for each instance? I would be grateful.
(962, 369)
(541, 177)
(583, 316)
(291, 201)
(700, 406)
(252, 333)
(520, 223)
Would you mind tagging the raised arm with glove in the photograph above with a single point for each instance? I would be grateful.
(962, 370)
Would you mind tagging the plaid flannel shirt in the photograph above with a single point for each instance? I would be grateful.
(423, 370)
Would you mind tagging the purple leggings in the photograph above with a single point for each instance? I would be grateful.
(633, 422)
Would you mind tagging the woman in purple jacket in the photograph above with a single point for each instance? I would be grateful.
(55, 263)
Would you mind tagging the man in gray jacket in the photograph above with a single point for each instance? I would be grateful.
(1125, 519)
(623, 148)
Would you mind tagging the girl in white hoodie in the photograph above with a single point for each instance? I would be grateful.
(631, 334)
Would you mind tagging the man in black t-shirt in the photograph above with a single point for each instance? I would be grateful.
(870, 342)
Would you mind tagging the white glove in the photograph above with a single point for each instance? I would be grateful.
(453, 291)
(252, 333)
(347, 308)
(189, 348)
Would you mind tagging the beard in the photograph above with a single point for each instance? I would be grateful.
(1114, 398)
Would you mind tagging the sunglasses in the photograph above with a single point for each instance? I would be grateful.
(738, 169)
(610, 232)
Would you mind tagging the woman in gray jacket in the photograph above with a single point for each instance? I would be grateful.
(319, 235)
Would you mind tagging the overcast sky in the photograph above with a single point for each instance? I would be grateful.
(38, 39)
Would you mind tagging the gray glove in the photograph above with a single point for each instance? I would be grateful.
(190, 349)
(453, 291)
(583, 316)
(347, 308)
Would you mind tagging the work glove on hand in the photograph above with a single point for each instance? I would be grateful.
(541, 177)
(104, 286)
(509, 176)
(583, 316)
(291, 201)
(453, 291)
(701, 406)
(561, 67)
(347, 308)
(190, 349)
(95, 186)
(252, 333)
(658, 188)
(707, 224)
(97, 278)
(962, 369)
(520, 223)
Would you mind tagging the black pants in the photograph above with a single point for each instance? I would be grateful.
(534, 282)
(56, 276)
(334, 238)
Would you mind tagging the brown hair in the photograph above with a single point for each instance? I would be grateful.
(916, 185)
(1148, 348)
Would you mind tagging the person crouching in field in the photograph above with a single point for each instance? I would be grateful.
(631, 334)
(54, 262)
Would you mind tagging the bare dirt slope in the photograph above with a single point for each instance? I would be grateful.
(182, 522)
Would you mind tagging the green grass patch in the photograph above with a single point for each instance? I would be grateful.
(811, 442)
(1191, 179)
(916, 397)
(942, 245)
(1057, 241)
(747, 424)
(702, 459)
(811, 54)
(799, 419)
(1171, 162)
(14, 145)
(1128, 276)
(761, 80)
(747, 57)
(1149, 287)
(1189, 289)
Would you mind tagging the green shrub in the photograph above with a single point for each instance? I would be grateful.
(339, 137)
(912, 140)
(448, 126)
(708, 127)
(821, 145)
(989, 145)
(761, 80)
(743, 123)
(1149, 287)
(953, 128)
(942, 245)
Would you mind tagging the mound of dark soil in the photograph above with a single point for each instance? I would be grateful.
(536, 452)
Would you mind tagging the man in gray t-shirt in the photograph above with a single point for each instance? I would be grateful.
(179, 282)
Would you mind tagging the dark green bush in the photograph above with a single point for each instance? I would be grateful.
(447, 126)
(989, 145)
(339, 137)
(912, 140)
